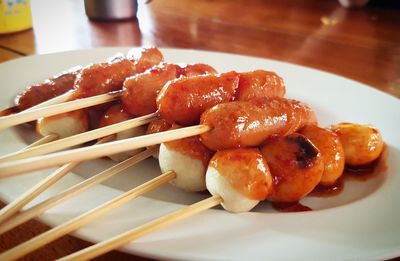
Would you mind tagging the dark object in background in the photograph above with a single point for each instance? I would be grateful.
(111, 9)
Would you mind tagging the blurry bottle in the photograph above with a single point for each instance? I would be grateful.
(15, 15)
(353, 3)
(111, 9)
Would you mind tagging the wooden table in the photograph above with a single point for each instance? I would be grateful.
(361, 44)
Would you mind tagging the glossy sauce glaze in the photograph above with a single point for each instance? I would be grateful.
(102, 78)
(158, 125)
(145, 58)
(249, 123)
(290, 207)
(259, 83)
(191, 147)
(246, 170)
(196, 69)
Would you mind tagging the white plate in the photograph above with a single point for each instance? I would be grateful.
(363, 222)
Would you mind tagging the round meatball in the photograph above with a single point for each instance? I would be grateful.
(240, 176)
(331, 150)
(296, 166)
(362, 144)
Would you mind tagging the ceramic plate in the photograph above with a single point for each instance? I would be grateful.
(362, 222)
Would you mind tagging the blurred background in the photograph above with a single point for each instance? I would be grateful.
(353, 42)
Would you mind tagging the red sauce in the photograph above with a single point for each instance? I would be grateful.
(368, 171)
(328, 191)
(290, 207)
(360, 173)
(158, 125)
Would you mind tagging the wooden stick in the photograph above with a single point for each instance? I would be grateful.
(43, 140)
(117, 241)
(53, 201)
(9, 111)
(35, 113)
(79, 138)
(12, 168)
(16, 205)
(50, 137)
(84, 219)
(58, 99)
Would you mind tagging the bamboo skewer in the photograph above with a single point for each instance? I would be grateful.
(8, 169)
(9, 111)
(117, 241)
(84, 219)
(41, 141)
(35, 113)
(79, 138)
(53, 201)
(50, 137)
(58, 99)
(16, 205)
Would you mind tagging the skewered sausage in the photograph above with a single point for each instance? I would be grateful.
(141, 59)
(145, 58)
(259, 83)
(140, 91)
(93, 80)
(249, 123)
(185, 99)
(190, 70)
(47, 90)
(109, 76)
(240, 176)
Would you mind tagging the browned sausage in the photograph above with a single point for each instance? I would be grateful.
(259, 83)
(145, 58)
(249, 123)
(185, 99)
(196, 69)
(109, 76)
(47, 90)
(140, 91)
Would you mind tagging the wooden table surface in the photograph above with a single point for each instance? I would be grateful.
(362, 44)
